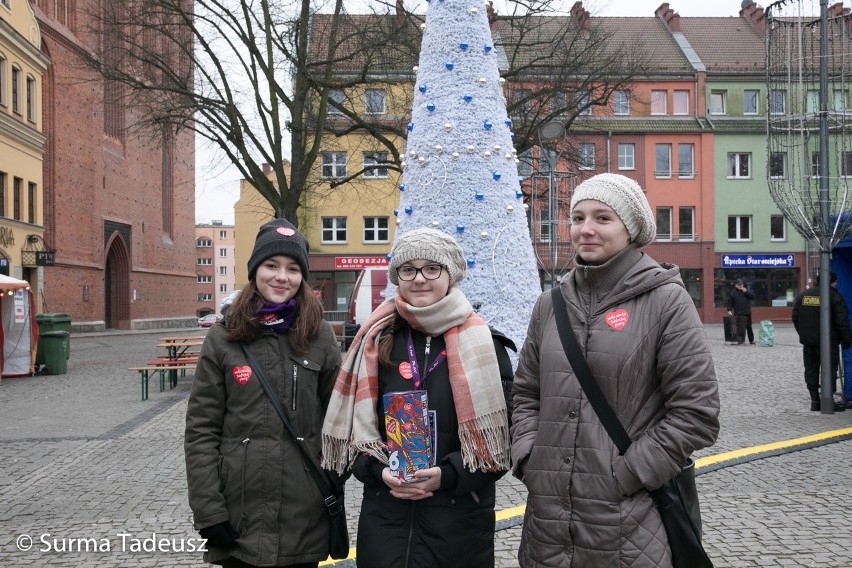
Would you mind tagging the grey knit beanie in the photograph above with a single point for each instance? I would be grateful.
(278, 237)
(428, 244)
(626, 198)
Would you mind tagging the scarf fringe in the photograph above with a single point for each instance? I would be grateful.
(335, 454)
(485, 442)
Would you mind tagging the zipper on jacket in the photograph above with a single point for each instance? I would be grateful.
(295, 383)
(244, 514)
(426, 358)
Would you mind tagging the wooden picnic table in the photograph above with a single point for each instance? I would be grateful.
(177, 346)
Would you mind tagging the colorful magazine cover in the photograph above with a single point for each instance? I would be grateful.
(408, 433)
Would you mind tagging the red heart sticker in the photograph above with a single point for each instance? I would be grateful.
(285, 231)
(405, 370)
(617, 320)
(242, 374)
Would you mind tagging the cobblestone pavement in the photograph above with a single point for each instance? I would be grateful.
(84, 458)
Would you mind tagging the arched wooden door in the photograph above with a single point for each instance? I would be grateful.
(117, 285)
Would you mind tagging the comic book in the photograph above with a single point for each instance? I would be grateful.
(408, 431)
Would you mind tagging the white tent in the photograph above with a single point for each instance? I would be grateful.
(19, 331)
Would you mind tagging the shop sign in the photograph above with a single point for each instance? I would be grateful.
(758, 261)
(356, 262)
(45, 257)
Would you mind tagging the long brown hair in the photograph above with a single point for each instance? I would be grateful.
(385, 343)
(242, 324)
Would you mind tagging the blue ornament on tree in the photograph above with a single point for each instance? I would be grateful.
(402, 187)
(470, 261)
(410, 126)
(430, 107)
(480, 196)
(460, 228)
(488, 125)
(508, 122)
(396, 212)
(449, 65)
(408, 209)
(467, 98)
(496, 176)
(463, 46)
(487, 47)
(422, 88)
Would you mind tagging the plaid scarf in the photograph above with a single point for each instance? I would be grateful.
(351, 421)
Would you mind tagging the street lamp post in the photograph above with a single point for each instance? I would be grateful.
(551, 132)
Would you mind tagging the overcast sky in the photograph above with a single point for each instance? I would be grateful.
(217, 185)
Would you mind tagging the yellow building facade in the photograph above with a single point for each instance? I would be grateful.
(22, 143)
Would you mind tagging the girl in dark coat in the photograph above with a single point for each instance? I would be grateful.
(425, 338)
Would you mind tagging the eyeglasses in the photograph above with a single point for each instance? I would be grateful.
(429, 272)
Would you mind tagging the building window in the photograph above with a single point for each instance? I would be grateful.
(205, 297)
(374, 101)
(664, 223)
(205, 261)
(223, 253)
(223, 287)
(777, 228)
(31, 99)
(718, 102)
(583, 102)
(846, 164)
(587, 156)
(558, 102)
(3, 80)
(680, 102)
(223, 271)
(841, 100)
(777, 101)
(16, 197)
(658, 102)
(739, 228)
(2, 194)
(335, 96)
(376, 230)
(663, 161)
(751, 102)
(16, 90)
(204, 243)
(333, 165)
(626, 156)
(334, 230)
(812, 102)
(31, 202)
(739, 165)
(544, 224)
(621, 102)
(204, 279)
(223, 235)
(375, 164)
(777, 165)
(686, 223)
(685, 160)
(525, 163)
(815, 164)
(521, 102)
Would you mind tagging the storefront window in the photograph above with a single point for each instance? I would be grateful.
(335, 288)
(692, 280)
(775, 287)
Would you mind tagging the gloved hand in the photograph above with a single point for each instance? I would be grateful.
(222, 535)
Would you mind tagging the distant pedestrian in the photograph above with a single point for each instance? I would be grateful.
(806, 320)
(739, 305)
(251, 495)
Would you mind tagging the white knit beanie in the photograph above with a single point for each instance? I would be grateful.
(428, 244)
(626, 198)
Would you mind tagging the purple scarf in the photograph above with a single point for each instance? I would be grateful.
(278, 317)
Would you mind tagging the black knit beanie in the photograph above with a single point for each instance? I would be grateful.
(279, 237)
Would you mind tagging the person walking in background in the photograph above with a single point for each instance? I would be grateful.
(427, 337)
(806, 320)
(739, 305)
(647, 349)
(250, 493)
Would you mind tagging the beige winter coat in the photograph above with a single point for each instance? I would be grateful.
(640, 333)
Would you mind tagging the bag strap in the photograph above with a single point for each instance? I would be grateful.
(581, 370)
(331, 503)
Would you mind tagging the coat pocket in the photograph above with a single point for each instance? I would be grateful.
(304, 375)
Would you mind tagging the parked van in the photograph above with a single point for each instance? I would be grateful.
(367, 294)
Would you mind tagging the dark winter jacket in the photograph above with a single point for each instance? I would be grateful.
(647, 349)
(454, 527)
(806, 318)
(242, 466)
(740, 302)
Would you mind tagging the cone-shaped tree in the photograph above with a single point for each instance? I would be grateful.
(460, 173)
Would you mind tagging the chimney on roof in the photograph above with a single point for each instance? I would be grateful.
(669, 17)
(753, 14)
(837, 9)
(400, 13)
(581, 19)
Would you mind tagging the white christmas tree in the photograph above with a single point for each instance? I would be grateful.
(460, 173)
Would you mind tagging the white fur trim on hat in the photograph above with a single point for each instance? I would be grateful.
(626, 198)
(428, 244)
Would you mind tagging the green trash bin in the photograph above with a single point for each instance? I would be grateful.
(53, 345)
(53, 322)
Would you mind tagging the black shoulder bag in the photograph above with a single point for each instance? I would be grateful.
(338, 535)
(677, 499)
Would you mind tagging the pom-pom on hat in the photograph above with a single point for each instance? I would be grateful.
(626, 198)
(428, 244)
(279, 237)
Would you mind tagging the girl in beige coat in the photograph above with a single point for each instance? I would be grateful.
(646, 347)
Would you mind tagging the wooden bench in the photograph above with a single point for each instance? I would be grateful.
(171, 367)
